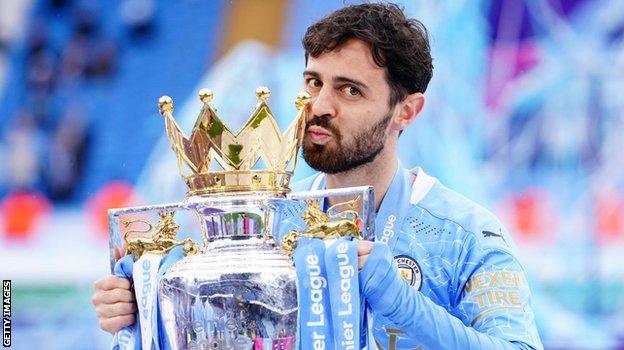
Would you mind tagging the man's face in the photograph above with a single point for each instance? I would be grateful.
(349, 114)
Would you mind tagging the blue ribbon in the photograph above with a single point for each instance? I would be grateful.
(129, 338)
(315, 323)
(341, 262)
(331, 309)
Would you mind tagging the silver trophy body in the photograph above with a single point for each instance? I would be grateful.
(239, 292)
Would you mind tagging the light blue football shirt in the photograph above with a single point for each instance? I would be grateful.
(462, 286)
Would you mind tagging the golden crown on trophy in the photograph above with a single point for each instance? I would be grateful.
(238, 157)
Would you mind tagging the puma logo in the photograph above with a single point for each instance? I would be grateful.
(487, 234)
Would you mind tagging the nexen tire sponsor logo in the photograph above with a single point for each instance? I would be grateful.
(388, 231)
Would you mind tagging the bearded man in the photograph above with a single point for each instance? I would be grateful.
(441, 273)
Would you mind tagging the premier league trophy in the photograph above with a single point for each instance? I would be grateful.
(240, 289)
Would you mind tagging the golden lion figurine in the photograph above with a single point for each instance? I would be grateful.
(323, 225)
(162, 241)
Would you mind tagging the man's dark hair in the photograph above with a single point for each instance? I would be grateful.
(399, 44)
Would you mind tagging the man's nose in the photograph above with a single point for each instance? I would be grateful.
(322, 104)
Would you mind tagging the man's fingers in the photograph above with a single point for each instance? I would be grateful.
(114, 324)
(113, 296)
(114, 310)
(114, 303)
(364, 247)
(112, 282)
(362, 260)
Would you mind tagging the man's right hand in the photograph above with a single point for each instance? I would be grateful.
(114, 303)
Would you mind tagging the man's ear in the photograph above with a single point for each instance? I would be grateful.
(408, 110)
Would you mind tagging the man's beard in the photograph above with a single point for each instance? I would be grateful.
(339, 156)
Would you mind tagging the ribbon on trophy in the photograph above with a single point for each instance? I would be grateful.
(153, 256)
(331, 311)
(146, 290)
(126, 338)
(315, 323)
(144, 273)
(330, 307)
(341, 263)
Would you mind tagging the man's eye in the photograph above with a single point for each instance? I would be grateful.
(313, 82)
(351, 90)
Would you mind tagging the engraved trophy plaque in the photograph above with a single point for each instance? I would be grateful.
(238, 288)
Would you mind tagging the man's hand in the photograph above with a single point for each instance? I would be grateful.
(114, 303)
(364, 250)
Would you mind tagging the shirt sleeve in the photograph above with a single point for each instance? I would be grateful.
(501, 319)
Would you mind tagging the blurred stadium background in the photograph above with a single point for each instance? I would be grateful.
(523, 115)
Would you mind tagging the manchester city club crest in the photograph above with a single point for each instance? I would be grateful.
(409, 270)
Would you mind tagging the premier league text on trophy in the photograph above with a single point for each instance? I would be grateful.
(6, 313)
